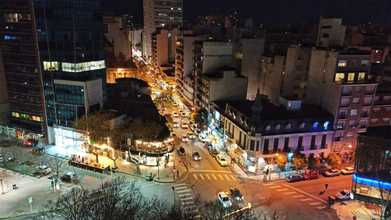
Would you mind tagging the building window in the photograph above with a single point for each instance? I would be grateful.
(275, 145)
(361, 76)
(286, 144)
(351, 77)
(266, 146)
(268, 127)
(83, 67)
(313, 144)
(315, 125)
(342, 63)
(300, 144)
(339, 77)
(302, 125)
(340, 125)
(356, 100)
(368, 100)
(50, 66)
(323, 142)
(288, 126)
(252, 145)
(277, 127)
(364, 62)
(353, 112)
(16, 17)
(257, 147)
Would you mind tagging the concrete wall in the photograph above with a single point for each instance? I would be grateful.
(216, 55)
(270, 78)
(331, 32)
(252, 50)
(117, 36)
(229, 87)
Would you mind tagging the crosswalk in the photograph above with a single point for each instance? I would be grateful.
(185, 197)
(213, 177)
(289, 192)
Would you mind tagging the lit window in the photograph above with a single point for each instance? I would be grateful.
(302, 125)
(268, 127)
(15, 114)
(83, 67)
(364, 62)
(353, 112)
(342, 63)
(339, 77)
(361, 76)
(9, 37)
(50, 66)
(326, 125)
(315, 125)
(278, 126)
(351, 77)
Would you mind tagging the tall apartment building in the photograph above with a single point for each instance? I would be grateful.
(117, 34)
(164, 47)
(44, 42)
(209, 56)
(381, 109)
(339, 81)
(3, 94)
(252, 51)
(331, 32)
(160, 14)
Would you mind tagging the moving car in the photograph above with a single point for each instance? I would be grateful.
(347, 171)
(221, 160)
(184, 126)
(224, 199)
(175, 114)
(295, 178)
(175, 125)
(332, 172)
(236, 194)
(344, 195)
(181, 151)
(196, 156)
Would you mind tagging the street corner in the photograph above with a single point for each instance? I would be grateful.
(354, 210)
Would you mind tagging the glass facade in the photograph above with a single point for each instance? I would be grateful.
(69, 103)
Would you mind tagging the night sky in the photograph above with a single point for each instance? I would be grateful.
(276, 11)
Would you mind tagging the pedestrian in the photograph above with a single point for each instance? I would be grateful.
(326, 186)
(177, 173)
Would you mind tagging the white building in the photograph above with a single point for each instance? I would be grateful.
(118, 36)
(160, 14)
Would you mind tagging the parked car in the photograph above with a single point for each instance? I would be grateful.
(196, 156)
(295, 178)
(30, 142)
(175, 125)
(310, 175)
(347, 171)
(213, 152)
(221, 160)
(236, 194)
(185, 126)
(344, 195)
(175, 114)
(185, 139)
(224, 199)
(181, 151)
(332, 172)
(69, 177)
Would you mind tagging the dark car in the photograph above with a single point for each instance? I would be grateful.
(236, 194)
(295, 178)
(181, 151)
(310, 175)
(196, 156)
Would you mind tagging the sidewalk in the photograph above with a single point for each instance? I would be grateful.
(347, 210)
(260, 177)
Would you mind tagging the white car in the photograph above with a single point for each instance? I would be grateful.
(175, 125)
(185, 139)
(344, 195)
(222, 160)
(184, 126)
(175, 114)
(347, 171)
(224, 199)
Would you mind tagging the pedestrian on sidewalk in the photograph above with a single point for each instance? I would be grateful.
(177, 173)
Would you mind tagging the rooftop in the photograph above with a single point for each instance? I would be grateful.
(273, 112)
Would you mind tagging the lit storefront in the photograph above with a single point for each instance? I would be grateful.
(150, 153)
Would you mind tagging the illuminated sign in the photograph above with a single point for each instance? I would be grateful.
(372, 182)
(83, 67)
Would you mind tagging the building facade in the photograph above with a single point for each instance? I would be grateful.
(372, 179)
(3, 94)
(263, 129)
(340, 82)
(160, 14)
(331, 32)
(381, 109)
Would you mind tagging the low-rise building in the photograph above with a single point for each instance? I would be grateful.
(262, 129)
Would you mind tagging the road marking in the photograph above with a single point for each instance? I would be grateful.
(305, 199)
(305, 193)
(297, 196)
(195, 176)
(183, 190)
(289, 193)
(274, 187)
(227, 177)
(220, 177)
(187, 199)
(214, 176)
(321, 207)
(202, 177)
(282, 190)
(180, 187)
(207, 176)
(315, 203)
(185, 195)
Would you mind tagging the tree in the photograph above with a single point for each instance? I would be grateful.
(334, 160)
(281, 160)
(299, 161)
(201, 117)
